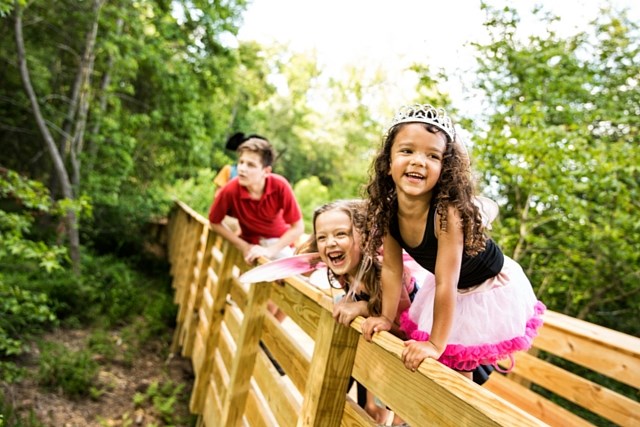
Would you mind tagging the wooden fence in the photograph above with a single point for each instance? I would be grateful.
(223, 327)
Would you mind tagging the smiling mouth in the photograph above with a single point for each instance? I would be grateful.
(335, 257)
(414, 175)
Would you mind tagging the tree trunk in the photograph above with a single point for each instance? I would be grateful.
(92, 147)
(84, 70)
(58, 163)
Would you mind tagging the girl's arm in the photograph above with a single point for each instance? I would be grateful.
(448, 264)
(447, 274)
(391, 283)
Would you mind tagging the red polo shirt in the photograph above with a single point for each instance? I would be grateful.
(268, 217)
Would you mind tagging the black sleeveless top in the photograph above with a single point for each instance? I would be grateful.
(474, 271)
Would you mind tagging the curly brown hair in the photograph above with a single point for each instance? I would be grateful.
(454, 188)
(370, 267)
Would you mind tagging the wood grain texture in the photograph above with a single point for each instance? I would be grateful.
(603, 350)
(220, 322)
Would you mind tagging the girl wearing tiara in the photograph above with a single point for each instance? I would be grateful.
(481, 308)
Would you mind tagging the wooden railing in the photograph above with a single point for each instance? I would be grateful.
(222, 326)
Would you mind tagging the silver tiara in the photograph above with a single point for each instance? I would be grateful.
(425, 113)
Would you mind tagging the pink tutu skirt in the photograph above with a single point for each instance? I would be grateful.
(492, 320)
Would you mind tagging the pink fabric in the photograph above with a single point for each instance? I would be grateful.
(490, 321)
(467, 358)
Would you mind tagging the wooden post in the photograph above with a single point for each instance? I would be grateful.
(196, 285)
(331, 365)
(176, 237)
(218, 309)
(244, 360)
(191, 245)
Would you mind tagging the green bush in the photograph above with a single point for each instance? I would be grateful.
(197, 192)
(163, 398)
(119, 222)
(22, 314)
(109, 292)
(9, 417)
(22, 201)
(74, 372)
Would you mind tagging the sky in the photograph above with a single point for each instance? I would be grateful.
(395, 34)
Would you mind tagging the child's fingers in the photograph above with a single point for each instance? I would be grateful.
(407, 352)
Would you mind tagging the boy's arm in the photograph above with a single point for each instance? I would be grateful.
(242, 245)
(217, 212)
(289, 237)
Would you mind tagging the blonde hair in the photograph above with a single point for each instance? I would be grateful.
(369, 267)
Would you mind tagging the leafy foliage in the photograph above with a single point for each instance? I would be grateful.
(73, 371)
(162, 398)
(560, 154)
(24, 201)
(23, 312)
(196, 191)
(310, 194)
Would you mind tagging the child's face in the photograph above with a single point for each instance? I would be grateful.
(250, 169)
(338, 244)
(416, 159)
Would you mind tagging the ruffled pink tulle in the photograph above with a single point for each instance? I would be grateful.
(467, 358)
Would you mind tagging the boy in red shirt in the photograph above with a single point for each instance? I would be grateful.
(263, 202)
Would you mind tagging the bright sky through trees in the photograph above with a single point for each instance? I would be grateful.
(395, 34)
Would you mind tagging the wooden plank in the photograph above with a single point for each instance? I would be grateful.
(210, 337)
(192, 213)
(589, 395)
(298, 306)
(184, 287)
(220, 377)
(199, 346)
(189, 324)
(453, 400)
(197, 355)
(315, 294)
(233, 320)
(176, 243)
(533, 403)
(355, 416)
(329, 373)
(212, 409)
(180, 250)
(283, 405)
(206, 309)
(238, 294)
(255, 416)
(285, 347)
(243, 362)
(213, 279)
(197, 287)
(603, 350)
(226, 347)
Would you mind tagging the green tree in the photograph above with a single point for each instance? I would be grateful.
(560, 154)
(110, 99)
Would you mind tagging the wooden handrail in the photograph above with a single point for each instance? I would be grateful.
(220, 323)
